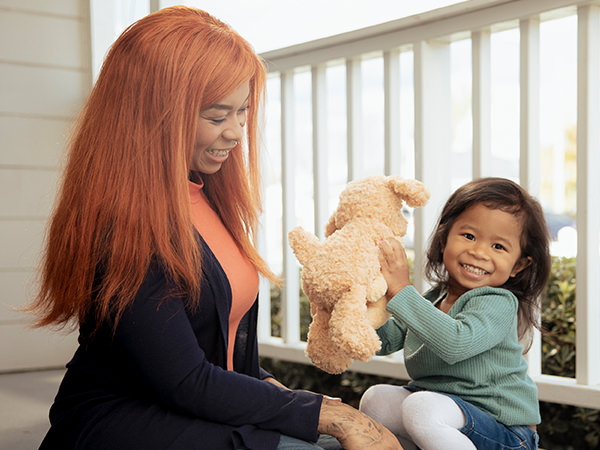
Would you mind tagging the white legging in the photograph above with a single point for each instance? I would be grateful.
(425, 419)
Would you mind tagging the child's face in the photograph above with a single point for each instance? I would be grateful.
(483, 249)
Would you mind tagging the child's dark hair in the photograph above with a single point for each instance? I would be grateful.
(503, 194)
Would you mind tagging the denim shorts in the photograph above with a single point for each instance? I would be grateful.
(489, 434)
(486, 432)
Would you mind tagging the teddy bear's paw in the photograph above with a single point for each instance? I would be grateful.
(334, 362)
(361, 342)
(377, 314)
(376, 289)
(333, 367)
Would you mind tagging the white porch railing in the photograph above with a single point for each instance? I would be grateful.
(413, 125)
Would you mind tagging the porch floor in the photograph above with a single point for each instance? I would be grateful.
(25, 398)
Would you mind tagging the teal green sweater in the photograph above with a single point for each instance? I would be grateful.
(472, 352)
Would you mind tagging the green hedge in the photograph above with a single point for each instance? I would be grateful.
(563, 427)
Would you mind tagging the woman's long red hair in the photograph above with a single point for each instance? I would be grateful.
(124, 198)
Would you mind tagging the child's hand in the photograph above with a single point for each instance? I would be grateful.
(394, 265)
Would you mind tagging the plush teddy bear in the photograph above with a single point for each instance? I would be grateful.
(341, 275)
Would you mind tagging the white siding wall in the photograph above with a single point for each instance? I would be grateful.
(45, 75)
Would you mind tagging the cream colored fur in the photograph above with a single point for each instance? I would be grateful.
(341, 275)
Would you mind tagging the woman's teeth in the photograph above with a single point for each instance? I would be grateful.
(219, 153)
(473, 269)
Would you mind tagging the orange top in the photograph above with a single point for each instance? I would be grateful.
(241, 273)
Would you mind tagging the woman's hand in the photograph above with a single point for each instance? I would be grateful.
(354, 429)
(281, 385)
(275, 382)
(394, 266)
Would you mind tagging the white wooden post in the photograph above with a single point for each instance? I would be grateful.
(391, 95)
(481, 103)
(264, 298)
(102, 32)
(353, 116)
(433, 133)
(530, 105)
(264, 287)
(588, 195)
(319, 144)
(290, 315)
(530, 163)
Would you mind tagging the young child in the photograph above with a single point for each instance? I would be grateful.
(488, 263)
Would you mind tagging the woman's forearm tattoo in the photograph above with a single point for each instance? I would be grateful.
(345, 422)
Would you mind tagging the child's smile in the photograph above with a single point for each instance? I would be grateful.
(473, 269)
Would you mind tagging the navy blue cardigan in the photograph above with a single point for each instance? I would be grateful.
(160, 381)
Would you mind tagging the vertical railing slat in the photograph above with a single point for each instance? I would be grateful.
(391, 95)
(353, 116)
(588, 196)
(481, 103)
(319, 150)
(264, 288)
(530, 162)
(433, 133)
(530, 105)
(264, 302)
(290, 316)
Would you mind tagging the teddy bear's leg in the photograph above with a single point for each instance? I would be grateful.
(349, 328)
(320, 349)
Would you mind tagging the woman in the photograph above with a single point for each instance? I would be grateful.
(150, 252)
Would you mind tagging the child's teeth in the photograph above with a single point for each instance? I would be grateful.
(473, 269)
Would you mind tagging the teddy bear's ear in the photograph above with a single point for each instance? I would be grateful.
(413, 192)
(303, 244)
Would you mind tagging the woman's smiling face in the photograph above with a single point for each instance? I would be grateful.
(220, 128)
